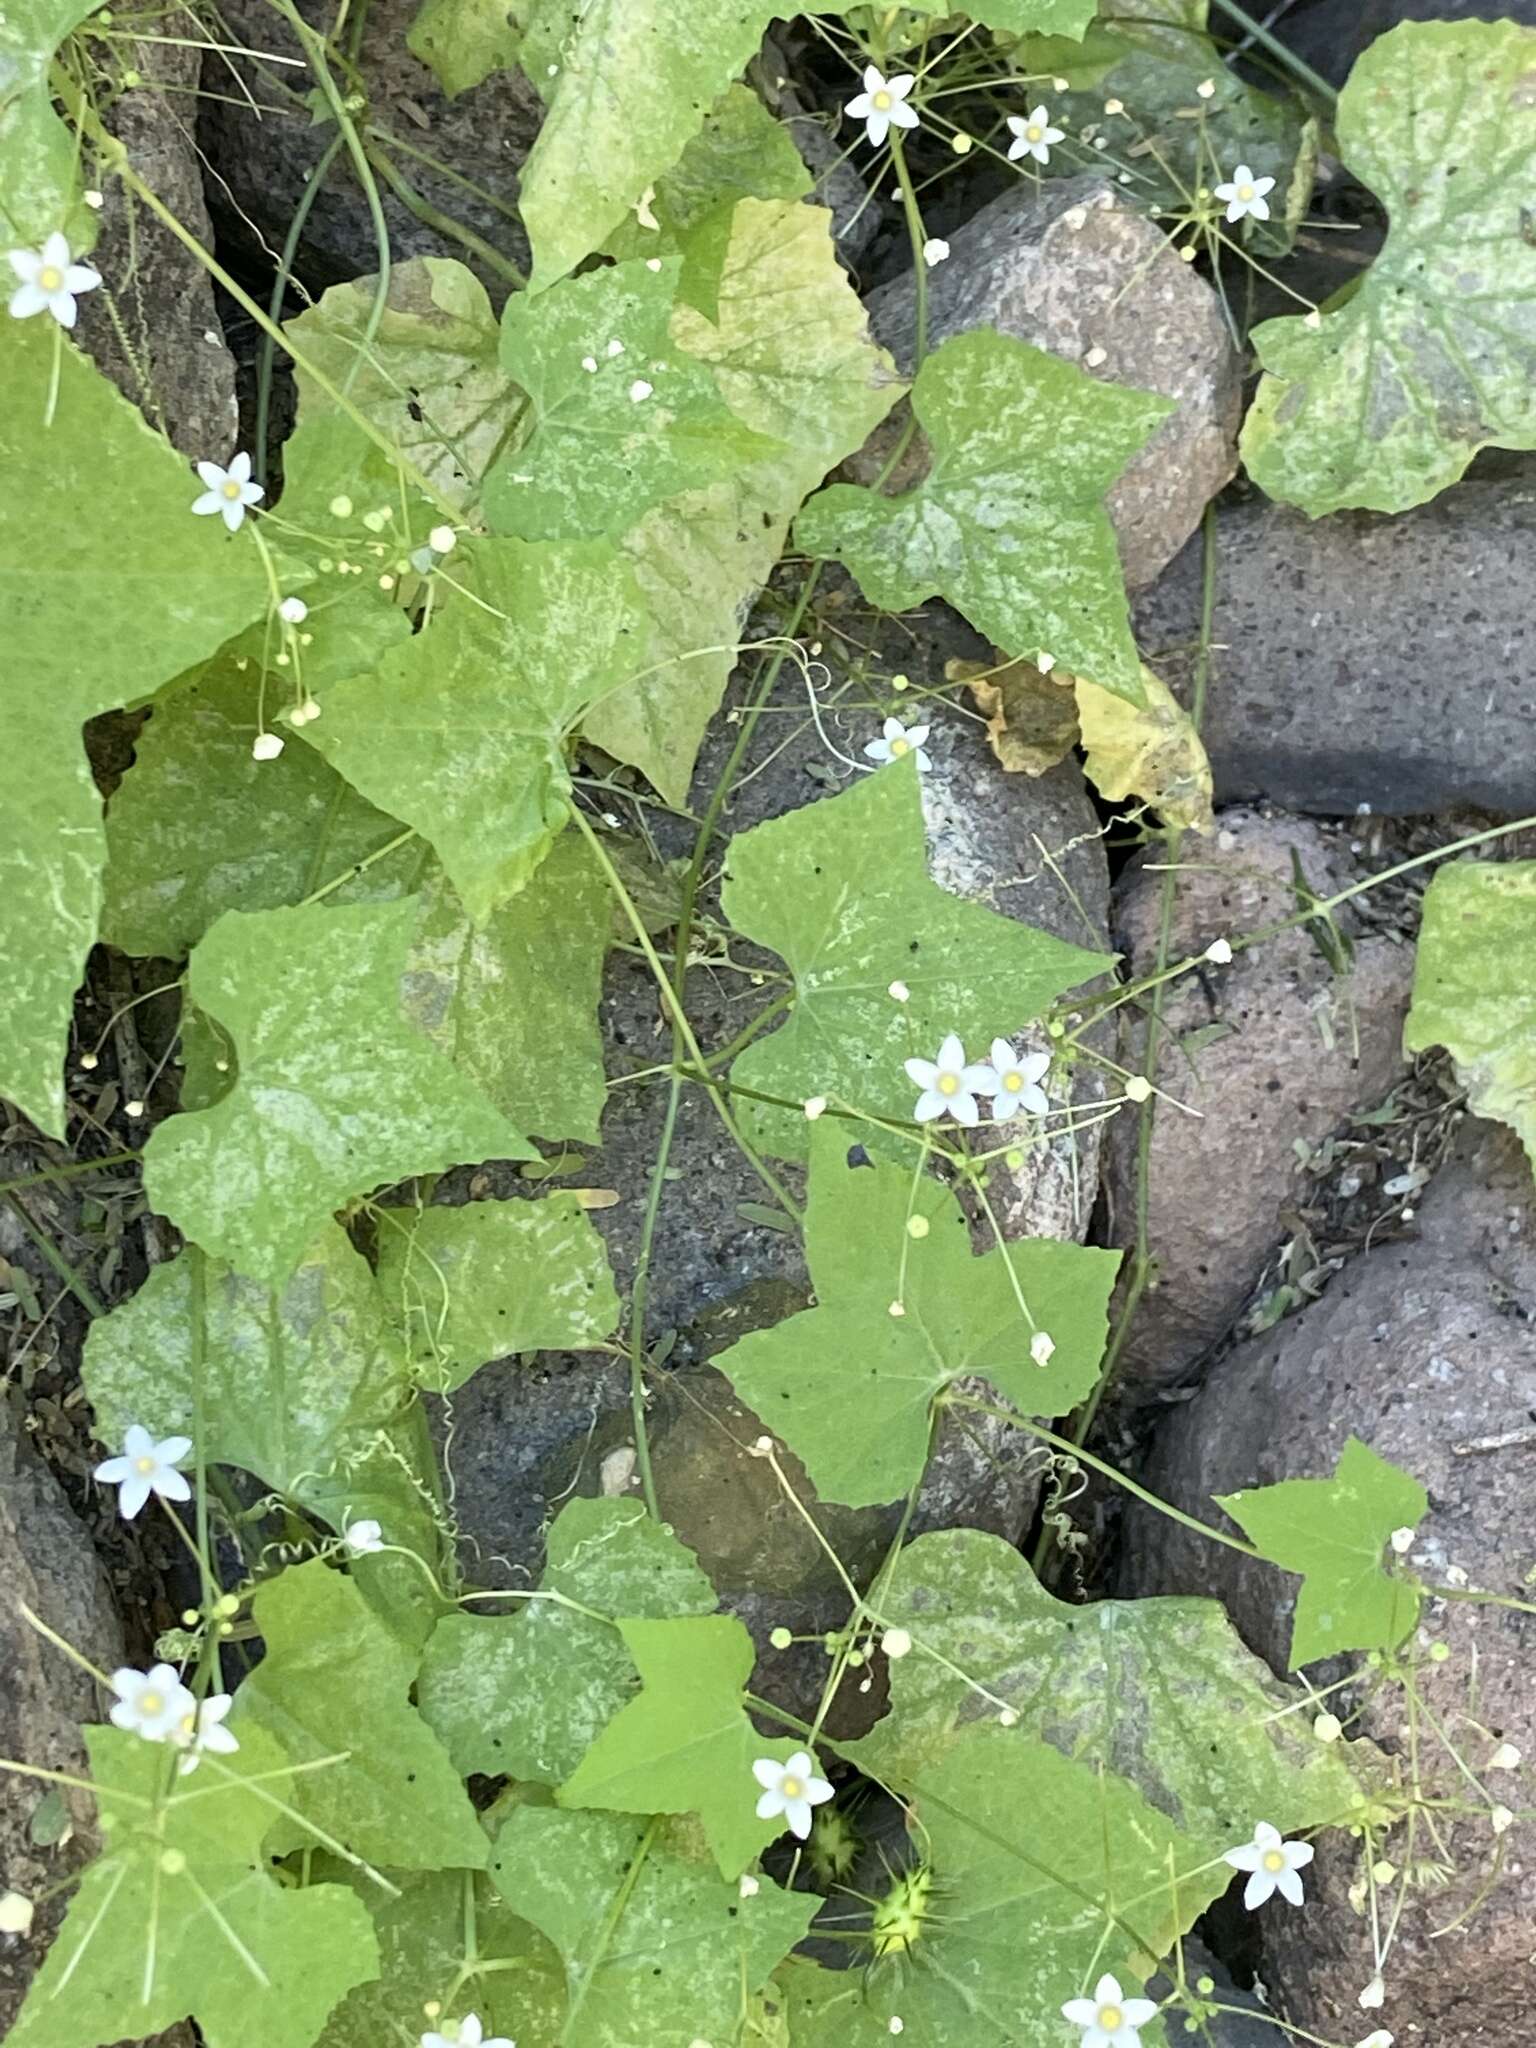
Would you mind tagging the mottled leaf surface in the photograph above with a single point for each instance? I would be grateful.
(1433, 355)
(337, 1091)
(1009, 524)
(1474, 985)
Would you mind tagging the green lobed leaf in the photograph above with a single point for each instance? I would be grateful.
(181, 1918)
(1474, 985)
(464, 41)
(840, 889)
(335, 1682)
(658, 1949)
(467, 1285)
(1009, 524)
(337, 1091)
(851, 1387)
(513, 1001)
(451, 1937)
(462, 731)
(1334, 1532)
(307, 1389)
(526, 1694)
(811, 377)
(431, 379)
(40, 185)
(1047, 1872)
(1433, 355)
(197, 827)
(621, 414)
(1160, 1691)
(685, 1745)
(635, 80)
(96, 512)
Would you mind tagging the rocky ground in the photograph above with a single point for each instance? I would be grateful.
(1335, 1247)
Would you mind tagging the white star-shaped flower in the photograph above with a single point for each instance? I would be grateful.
(882, 104)
(229, 491)
(152, 1703)
(1243, 194)
(1272, 1865)
(145, 1467)
(792, 1789)
(363, 1537)
(1032, 135)
(896, 741)
(50, 281)
(1109, 2019)
(948, 1083)
(464, 2033)
(1016, 1082)
(201, 1732)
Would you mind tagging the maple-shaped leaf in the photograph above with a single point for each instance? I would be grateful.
(685, 1745)
(1334, 1532)
(337, 1092)
(462, 731)
(622, 416)
(850, 1384)
(1009, 524)
(840, 888)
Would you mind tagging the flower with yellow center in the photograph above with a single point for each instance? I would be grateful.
(228, 491)
(201, 1732)
(897, 741)
(1243, 195)
(1015, 1085)
(49, 281)
(1272, 1866)
(1109, 2019)
(1032, 135)
(151, 1703)
(145, 1467)
(790, 1788)
(882, 105)
(950, 1085)
(465, 2033)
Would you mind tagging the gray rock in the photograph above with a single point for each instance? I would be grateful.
(1333, 636)
(526, 1434)
(153, 327)
(1272, 1049)
(1427, 1353)
(262, 163)
(1075, 270)
(46, 1560)
(1330, 34)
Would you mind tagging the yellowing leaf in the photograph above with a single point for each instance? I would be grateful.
(1150, 751)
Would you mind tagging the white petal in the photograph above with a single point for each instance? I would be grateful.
(1235, 212)
(219, 1740)
(899, 86)
(798, 1814)
(1249, 1857)
(135, 1492)
(1263, 185)
(930, 1104)
(172, 1449)
(878, 750)
(1039, 117)
(211, 474)
(923, 1072)
(768, 1772)
(916, 734)
(25, 262)
(26, 300)
(1107, 1990)
(1035, 1100)
(874, 78)
(893, 729)
(1082, 2012)
(122, 1714)
(170, 1484)
(252, 494)
(1017, 149)
(1054, 135)
(240, 467)
(1260, 1886)
(921, 758)
(858, 108)
(233, 510)
(1289, 1886)
(951, 1055)
(137, 1441)
(62, 307)
(1298, 1854)
(876, 128)
(817, 1791)
(1266, 1835)
(1242, 175)
(1005, 1106)
(1259, 208)
(1139, 2012)
(1224, 192)
(801, 1764)
(112, 1471)
(904, 116)
(471, 2033)
(770, 1806)
(56, 251)
(79, 277)
(977, 1079)
(210, 501)
(1002, 1055)
(962, 1108)
(1035, 1066)
(214, 1709)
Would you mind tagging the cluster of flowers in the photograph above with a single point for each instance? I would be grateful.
(951, 1084)
(156, 1705)
(884, 105)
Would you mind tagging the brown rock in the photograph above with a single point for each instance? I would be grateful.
(1292, 1049)
(1427, 1353)
(46, 1561)
(263, 163)
(153, 327)
(1074, 270)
